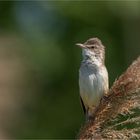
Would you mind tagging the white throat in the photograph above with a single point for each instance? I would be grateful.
(90, 57)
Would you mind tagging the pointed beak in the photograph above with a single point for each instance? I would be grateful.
(80, 45)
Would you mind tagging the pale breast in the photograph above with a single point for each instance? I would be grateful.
(92, 84)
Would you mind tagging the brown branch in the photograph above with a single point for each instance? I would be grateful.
(118, 115)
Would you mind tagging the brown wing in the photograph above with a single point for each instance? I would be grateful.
(84, 109)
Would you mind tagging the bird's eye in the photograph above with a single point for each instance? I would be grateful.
(92, 47)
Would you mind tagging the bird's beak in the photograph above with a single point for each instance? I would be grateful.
(80, 45)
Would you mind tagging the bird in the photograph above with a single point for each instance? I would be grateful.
(93, 76)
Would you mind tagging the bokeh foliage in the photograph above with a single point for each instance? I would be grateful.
(48, 31)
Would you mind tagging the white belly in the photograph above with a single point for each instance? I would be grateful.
(93, 84)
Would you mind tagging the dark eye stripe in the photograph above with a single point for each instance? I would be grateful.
(91, 46)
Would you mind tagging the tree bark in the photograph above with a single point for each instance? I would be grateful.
(118, 114)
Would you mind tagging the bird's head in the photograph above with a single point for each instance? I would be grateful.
(93, 50)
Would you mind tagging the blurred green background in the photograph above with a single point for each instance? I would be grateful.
(39, 62)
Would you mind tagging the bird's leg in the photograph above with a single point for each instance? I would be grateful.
(90, 113)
